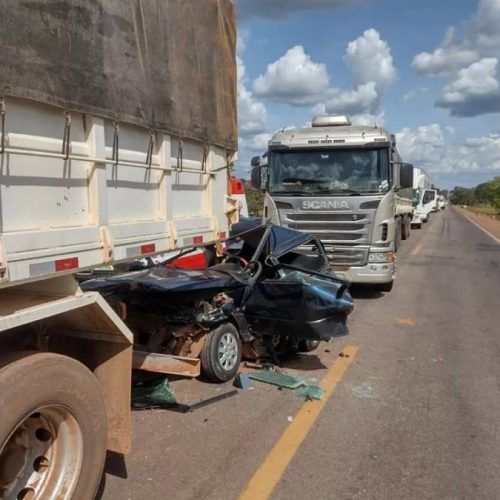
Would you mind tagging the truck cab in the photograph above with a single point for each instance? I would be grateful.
(345, 184)
(426, 204)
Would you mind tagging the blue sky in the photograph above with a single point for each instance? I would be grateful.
(428, 71)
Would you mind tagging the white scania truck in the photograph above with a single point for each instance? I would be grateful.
(347, 185)
(117, 129)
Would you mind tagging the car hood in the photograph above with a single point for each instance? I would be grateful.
(164, 280)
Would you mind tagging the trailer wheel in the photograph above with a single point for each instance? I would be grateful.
(398, 235)
(406, 225)
(221, 354)
(52, 430)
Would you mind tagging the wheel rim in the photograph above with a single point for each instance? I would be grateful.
(228, 351)
(43, 456)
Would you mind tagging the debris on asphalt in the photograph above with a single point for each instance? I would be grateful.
(290, 419)
(153, 394)
(209, 401)
(242, 381)
(310, 392)
(302, 388)
(279, 379)
(343, 355)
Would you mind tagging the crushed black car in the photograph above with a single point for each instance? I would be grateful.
(273, 286)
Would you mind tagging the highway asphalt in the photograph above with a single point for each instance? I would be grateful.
(414, 412)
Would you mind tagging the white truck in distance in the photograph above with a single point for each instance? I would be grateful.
(345, 184)
(421, 183)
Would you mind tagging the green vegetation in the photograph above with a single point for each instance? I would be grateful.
(485, 197)
(255, 200)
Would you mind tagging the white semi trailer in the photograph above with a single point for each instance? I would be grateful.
(110, 149)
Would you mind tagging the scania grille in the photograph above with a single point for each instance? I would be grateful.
(336, 228)
(339, 256)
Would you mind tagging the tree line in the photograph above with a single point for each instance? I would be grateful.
(486, 193)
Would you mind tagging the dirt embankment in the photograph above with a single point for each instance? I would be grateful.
(488, 223)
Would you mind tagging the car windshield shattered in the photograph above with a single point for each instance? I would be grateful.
(270, 287)
(329, 171)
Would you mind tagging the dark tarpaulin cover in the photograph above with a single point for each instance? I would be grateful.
(163, 64)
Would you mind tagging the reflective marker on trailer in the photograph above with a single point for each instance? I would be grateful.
(150, 248)
(53, 266)
(143, 249)
(66, 264)
(197, 240)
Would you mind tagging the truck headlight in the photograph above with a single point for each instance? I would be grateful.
(380, 257)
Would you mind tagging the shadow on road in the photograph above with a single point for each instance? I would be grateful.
(304, 362)
(364, 292)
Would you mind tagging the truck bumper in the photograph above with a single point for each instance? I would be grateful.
(372, 273)
(417, 219)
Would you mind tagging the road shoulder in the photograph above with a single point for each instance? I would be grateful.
(490, 225)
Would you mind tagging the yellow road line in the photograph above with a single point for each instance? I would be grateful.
(416, 250)
(274, 465)
(405, 321)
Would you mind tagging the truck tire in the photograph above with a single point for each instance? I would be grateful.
(221, 354)
(405, 229)
(53, 429)
(397, 237)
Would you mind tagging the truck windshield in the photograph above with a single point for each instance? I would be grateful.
(329, 171)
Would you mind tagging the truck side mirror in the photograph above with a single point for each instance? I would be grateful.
(255, 161)
(258, 178)
(406, 176)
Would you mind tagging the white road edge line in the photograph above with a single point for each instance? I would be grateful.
(494, 238)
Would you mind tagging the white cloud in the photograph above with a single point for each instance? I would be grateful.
(363, 99)
(423, 146)
(475, 91)
(414, 93)
(428, 146)
(252, 114)
(256, 144)
(294, 78)
(465, 57)
(447, 58)
(369, 59)
(279, 9)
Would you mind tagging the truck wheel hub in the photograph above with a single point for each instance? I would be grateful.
(43, 456)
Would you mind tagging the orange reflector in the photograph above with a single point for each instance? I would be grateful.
(65, 264)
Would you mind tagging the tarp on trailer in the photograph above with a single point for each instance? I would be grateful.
(167, 65)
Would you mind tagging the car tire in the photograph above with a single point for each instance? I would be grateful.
(385, 287)
(54, 423)
(308, 345)
(221, 354)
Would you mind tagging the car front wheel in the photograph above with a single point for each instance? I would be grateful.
(221, 354)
